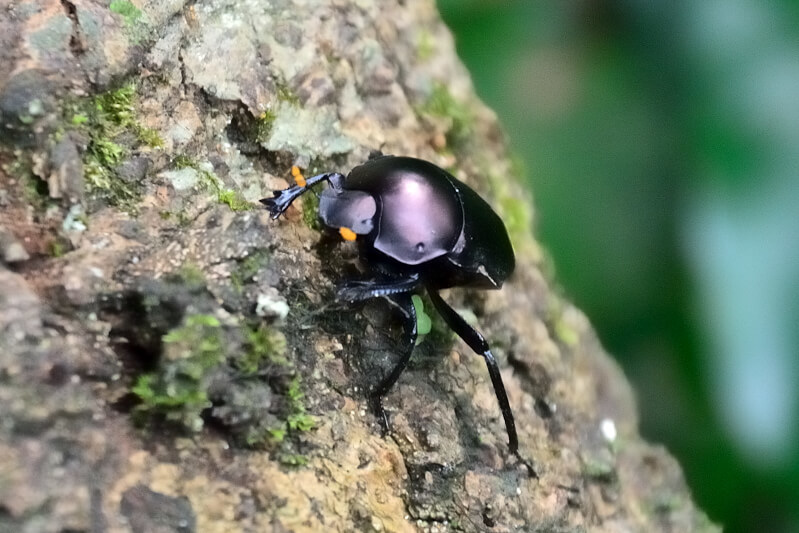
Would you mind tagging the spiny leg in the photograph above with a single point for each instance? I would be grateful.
(404, 303)
(356, 291)
(283, 199)
(478, 343)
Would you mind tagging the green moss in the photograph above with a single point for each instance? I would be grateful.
(442, 104)
(565, 333)
(181, 217)
(425, 45)
(293, 459)
(210, 182)
(264, 345)
(178, 390)
(262, 126)
(56, 248)
(516, 215)
(255, 129)
(298, 419)
(106, 119)
(310, 211)
(598, 469)
(184, 161)
(515, 212)
(234, 200)
(192, 275)
(129, 12)
(247, 268)
(78, 119)
(285, 94)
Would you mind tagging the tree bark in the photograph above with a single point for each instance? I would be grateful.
(173, 360)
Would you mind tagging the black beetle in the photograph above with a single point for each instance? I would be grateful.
(420, 228)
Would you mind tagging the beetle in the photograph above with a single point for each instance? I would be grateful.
(418, 227)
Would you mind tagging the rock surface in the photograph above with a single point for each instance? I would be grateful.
(171, 360)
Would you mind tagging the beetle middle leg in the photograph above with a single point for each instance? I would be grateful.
(404, 304)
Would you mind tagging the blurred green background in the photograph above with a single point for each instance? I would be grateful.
(661, 141)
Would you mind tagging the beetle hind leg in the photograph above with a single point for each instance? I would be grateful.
(478, 344)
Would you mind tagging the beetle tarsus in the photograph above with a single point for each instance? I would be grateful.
(527, 465)
(281, 200)
(376, 403)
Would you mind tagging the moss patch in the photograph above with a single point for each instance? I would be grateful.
(129, 12)
(310, 210)
(264, 346)
(285, 94)
(109, 121)
(247, 268)
(178, 391)
(425, 45)
(442, 104)
(211, 183)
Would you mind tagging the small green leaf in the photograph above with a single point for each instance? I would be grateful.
(423, 322)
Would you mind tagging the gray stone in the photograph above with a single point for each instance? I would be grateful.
(148, 511)
(11, 250)
(66, 172)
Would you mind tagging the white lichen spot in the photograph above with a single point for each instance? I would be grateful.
(269, 306)
(74, 221)
(608, 429)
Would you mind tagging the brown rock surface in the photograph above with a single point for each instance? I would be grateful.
(142, 391)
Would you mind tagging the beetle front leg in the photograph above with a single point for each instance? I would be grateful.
(356, 291)
(283, 199)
